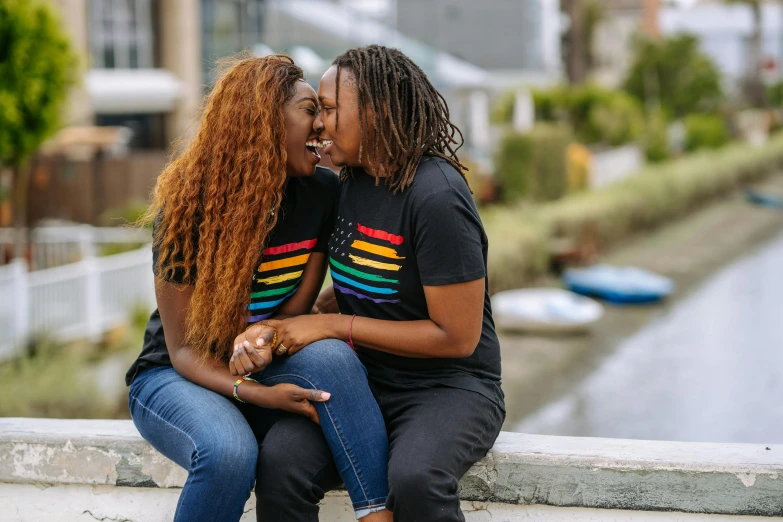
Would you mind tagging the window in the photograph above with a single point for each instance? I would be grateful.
(229, 26)
(149, 131)
(121, 34)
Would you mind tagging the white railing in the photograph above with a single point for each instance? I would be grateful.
(78, 300)
(53, 246)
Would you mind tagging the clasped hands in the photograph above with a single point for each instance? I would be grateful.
(256, 346)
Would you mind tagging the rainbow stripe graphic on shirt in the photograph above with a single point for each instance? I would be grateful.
(277, 277)
(362, 263)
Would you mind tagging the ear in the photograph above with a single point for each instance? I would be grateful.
(369, 114)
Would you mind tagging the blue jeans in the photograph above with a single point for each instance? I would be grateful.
(207, 434)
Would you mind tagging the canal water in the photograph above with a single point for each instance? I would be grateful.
(709, 368)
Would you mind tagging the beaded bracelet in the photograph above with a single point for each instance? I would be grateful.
(240, 381)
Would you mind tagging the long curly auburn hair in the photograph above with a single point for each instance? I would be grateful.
(218, 200)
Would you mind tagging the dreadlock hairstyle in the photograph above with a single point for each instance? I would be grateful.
(410, 119)
(218, 200)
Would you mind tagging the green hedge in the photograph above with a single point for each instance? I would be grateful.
(658, 194)
(518, 245)
(705, 131)
(532, 166)
(597, 115)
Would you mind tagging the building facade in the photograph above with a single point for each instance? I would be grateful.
(147, 63)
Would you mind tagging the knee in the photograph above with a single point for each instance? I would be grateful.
(332, 356)
(276, 460)
(416, 483)
(232, 457)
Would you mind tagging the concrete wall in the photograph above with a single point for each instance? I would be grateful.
(102, 470)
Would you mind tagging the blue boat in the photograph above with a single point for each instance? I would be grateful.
(764, 199)
(619, 285)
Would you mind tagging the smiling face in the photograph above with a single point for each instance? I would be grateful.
(300, 113)
(345, 138)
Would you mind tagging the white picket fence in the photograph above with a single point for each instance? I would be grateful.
(53, 246)
(77, 300)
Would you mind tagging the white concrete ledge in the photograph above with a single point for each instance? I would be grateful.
(521, 470)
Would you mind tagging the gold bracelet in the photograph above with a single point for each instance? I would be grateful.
(274, 333)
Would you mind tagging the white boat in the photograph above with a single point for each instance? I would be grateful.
(545, 311)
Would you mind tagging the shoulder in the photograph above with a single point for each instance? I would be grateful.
(325, 179)
(323, 185)
(437, 181)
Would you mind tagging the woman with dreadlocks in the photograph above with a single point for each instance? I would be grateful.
(408, 263)
(242, 221)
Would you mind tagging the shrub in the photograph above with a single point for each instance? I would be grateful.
(519, 237)
(661, 192)
(519, 245)
(128, 214)
(656, 137)
(37, 67)
(503, 108)
(597, 115)
(705, 131)
(578, 167)
(775, 94)
(616, 121)
(533, 166)
(675, 73)
(552, 104)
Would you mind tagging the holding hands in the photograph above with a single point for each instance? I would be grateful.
(254, 348)
(253, 351)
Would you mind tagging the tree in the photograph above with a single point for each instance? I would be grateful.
(37, 67)
(675, 75)
(753, 84)
(584, 17)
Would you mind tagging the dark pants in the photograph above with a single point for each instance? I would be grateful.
(435, 436)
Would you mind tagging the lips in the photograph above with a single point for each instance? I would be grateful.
(326, 145)
(312, 146)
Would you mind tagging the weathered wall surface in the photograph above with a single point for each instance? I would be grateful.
(86, 470)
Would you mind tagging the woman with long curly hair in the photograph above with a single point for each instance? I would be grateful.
(242, 219)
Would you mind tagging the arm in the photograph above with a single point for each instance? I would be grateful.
(453, 330)
(326, 303)
(312, 279)
(252, 348)
(173, 302)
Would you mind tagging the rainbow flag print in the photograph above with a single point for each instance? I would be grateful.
(278, 277)
(364, 263)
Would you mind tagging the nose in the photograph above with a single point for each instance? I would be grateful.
(318, 123)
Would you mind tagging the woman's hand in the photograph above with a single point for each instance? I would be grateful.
(252, 350)
(295, 333)
(292, 398)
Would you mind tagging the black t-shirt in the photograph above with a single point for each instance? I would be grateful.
(303, 226)
(386, 247)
